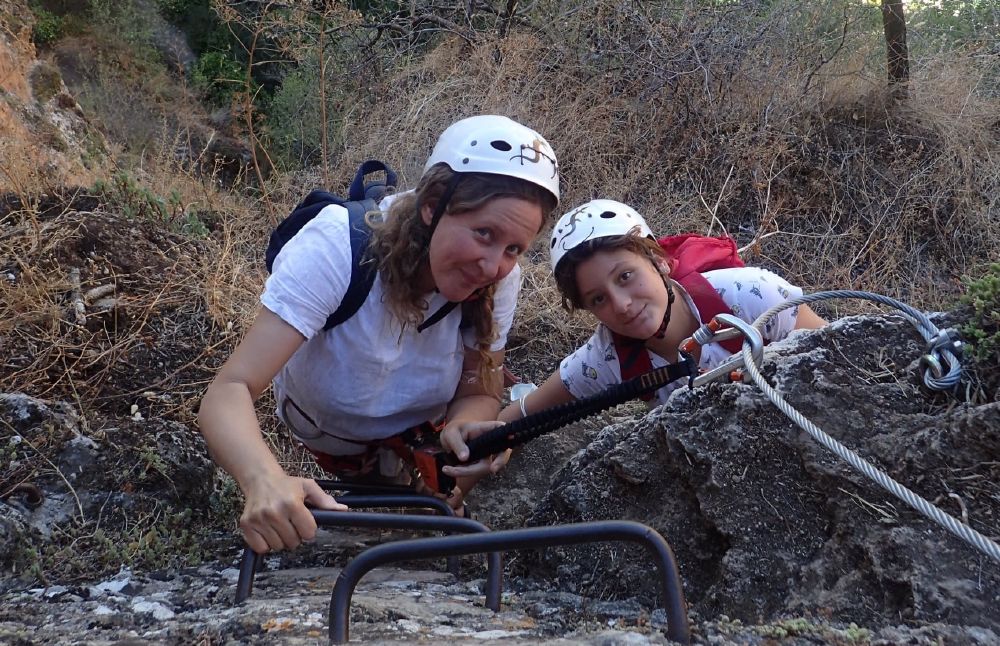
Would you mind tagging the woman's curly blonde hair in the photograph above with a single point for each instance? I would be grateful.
(400, 245)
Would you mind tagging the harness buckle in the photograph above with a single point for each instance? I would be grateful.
(425, 453)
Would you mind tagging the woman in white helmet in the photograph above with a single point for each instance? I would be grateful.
(345, 393)
(606, 260)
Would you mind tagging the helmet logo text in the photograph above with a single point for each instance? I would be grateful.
(573, 221)
(538, 153)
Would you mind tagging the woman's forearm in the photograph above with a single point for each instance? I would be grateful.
(231, 430)
(227, 417)
(473, 408)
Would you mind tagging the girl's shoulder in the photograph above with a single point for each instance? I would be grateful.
(744, 274)
(598, 348)
(748, 292)
(591, 367)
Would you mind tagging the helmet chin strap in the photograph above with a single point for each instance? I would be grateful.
(442, 204)
(662, 331)
(439, 210)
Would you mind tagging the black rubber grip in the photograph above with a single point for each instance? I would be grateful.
(528, 428)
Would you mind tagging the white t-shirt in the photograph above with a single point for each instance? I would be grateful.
(365, 379)
(748, 291)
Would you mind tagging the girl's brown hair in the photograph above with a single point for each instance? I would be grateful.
(565, 273)
(401, 242)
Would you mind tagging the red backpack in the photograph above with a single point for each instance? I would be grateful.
(690, 254)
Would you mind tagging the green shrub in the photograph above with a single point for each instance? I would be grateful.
(174, 9)
(48, 26)
(218, 77)
(137, 202)
(126, 22)
(983, 329)
(293, 125)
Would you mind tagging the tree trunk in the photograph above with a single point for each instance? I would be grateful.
(897, 56)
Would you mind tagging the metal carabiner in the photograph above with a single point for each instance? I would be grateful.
(714, 331)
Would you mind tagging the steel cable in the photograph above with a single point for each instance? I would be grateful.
(942, 381)
(941, 344)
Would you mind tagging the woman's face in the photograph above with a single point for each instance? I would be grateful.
(624, 291)
(477, 248)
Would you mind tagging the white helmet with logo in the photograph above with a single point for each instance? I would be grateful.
(595, 219)
(498, 145)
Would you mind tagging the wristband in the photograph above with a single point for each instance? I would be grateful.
(520, 403)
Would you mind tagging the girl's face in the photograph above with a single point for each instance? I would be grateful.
(477, 248)
(624, 290)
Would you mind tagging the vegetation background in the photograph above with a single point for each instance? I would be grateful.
(786, 124)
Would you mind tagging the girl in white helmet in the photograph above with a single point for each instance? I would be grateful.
(606, 261)
(345, 393)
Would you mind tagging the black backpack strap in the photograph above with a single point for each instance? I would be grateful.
(306, 210)
(363, 267)
(359, 190)
(445, 309)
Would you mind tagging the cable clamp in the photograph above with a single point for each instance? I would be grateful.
(945, 340)
(944, 344)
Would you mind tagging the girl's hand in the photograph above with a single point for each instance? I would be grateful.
(275, 516)
(454, 499)
(454, 438)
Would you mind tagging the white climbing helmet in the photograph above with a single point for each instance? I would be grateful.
(595, 219)
(494, 144)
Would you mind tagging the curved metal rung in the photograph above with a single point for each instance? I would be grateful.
(244, 586)
(366, 488)
(407, 501)
(494, 573)
(532, 537)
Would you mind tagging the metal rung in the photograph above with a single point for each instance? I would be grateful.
(365, 488)
(532, 537)
(494, 576)
(409, 500)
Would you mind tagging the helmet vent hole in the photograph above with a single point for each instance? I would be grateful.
(500, 144)
(553, 245)
(465, 160)
(607, 215)
(473, 143)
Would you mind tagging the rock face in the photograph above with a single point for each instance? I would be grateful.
(100, 489)
(765, 522)
(47, 138)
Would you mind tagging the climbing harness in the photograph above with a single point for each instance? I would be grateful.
(941, 371)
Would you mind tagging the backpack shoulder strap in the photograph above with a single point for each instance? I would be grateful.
(306, 210)
(363, 268)
(441, 312)
(633, 357)
(709, 303)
